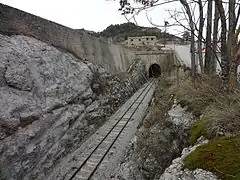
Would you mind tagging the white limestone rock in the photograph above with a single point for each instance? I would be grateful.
(176, 172)
(47, 104)
(41, 105)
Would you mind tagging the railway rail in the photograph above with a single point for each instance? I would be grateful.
(91, 161)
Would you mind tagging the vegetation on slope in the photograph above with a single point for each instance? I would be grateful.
(199, 95)
(121, 32)
(159, 141)
(221, 156)
(197, 129)
(217, 109)
(218, 117)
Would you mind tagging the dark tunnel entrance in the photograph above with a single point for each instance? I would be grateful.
(154, 71)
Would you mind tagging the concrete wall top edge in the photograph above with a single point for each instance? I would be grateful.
(78, 42)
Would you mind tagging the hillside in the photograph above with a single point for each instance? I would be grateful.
(121, 32)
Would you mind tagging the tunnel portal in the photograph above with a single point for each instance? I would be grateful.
(154, 71)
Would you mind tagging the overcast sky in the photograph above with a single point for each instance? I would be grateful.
(93, 15)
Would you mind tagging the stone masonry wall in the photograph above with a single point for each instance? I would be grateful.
(84, 46)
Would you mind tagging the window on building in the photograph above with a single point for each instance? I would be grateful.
(139, 39)
(147, 39)
(131, 39)
(152, 39)
(132, 44)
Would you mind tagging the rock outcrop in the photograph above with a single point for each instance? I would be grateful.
(176, 171)
(49, 102)
(170, 134)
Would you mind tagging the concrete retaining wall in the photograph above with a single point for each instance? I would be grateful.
(164, 60)
(78, 42)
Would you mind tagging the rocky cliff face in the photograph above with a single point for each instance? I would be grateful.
(49, 102)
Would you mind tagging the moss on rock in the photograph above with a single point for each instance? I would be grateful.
(197, 129)
(221, 156)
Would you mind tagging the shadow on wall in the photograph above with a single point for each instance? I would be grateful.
(154, 71)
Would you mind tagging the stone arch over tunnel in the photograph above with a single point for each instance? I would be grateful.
(154, 71)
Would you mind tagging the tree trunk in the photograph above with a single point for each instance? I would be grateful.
(224, 49)
(208, 55)
(237, 62)
(232, 51)
(201, 24)
(192, 45)
(215, 37)
(233, 68)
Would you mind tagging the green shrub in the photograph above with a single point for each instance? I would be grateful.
(197, 129)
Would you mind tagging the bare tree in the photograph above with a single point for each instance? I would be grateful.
(208, 54)
(178, 20)
(192, 45)
(200, 34)
(224, 49)
(196, 30)
(215, 36)
(232, 51)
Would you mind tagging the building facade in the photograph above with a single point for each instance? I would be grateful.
(142, 41)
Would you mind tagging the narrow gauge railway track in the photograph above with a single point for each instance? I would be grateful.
(92, 161)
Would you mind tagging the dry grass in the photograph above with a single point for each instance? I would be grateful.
(219, 110)
(196, 96)
(219, 115)
(223, 116)
(158, 140)
(162, 103)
